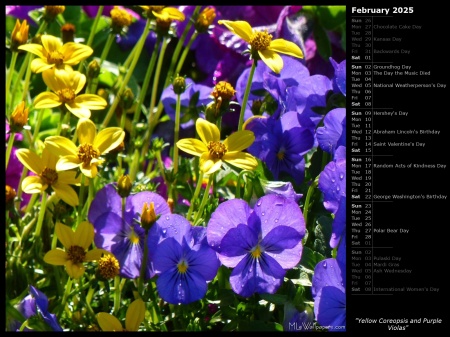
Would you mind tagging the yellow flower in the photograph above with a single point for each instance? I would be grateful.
(19, 35)
(86, 156)
(65, 86)
(262, 45)
(46, 176)
(54, 54)
(212, 151)
(164, 13)
(75, 251)
(134, 317)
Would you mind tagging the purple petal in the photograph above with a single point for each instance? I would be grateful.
(327, 274)
(284, 244)
(204, 261)
(236, 244)
(227, 215)
(106, 200)
(275, 210)
(329, 134)
(332, 183)
(330, 308)
(339, 223)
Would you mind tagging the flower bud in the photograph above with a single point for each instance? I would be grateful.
(127, 99)
(179, 85)
(19, 118)
(148, 215)
(124, 186)
(51, 12)
(205, 19)
(93, 69)
(68, 33)
(19, 35)
(10, 195)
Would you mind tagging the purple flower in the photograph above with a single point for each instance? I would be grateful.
(333, 133)
(332, 182)
(260, 244)
(13, 173)
(193, 100)
(281, 145)
(340, 76)
(21, 12)
(280, 188)
(121, 234)
(328, 291)
(183, 261)
(36, 304)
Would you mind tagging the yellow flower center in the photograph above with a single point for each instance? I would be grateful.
(280, 155)
(86, 153)
(55, 57)
(134, 238)
(260, 40)
(256, 252)
(49, 176)
(66, 95)
(182, 266)
(76, 254)
(216, 150)
(120, 17)
(108, 266)
(224, 90)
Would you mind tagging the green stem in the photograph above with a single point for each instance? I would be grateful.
(238, 185)
(180, 43)
(123, 86)
(185, 52)
(81, 198)
(67, 290)
(9, 148)
(148, 76)
(107, 47)
(93, 28)
(204, 199)
(176, 134)
(143, 266)
(134, 165)
(9, 76)
(246, 94)
(309, 194)
(42, 210)
(25, 66)
(161, 166)
(164, 45)
(195, 196)
(116, 295)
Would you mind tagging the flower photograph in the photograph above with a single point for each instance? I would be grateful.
(175, 168)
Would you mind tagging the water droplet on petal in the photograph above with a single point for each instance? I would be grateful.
(341, 176)
(167, 217)
(263, 213)
(324, 264)
(259, 203)
(276, 220)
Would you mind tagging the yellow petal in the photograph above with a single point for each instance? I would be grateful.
(49, 159)
(61, 146)
(91, 102)
(171, 13)
(86, 131)
(67, 163)
(79, 81)
(192, 146)
(66, 193)
(30, 160)
(75, 270)
(108, 322)
(33, 184)
(84, 235)
(108, 139)
(209, 165)
(272, 60)
(56, 257)
(242, 160)
(286, 47)
(46, 100)
(89, 170)
(39, 65)
(208, 132)
(95, 254)
(135, 315)
(240, 28)
(239, 140)
(74, 53)
(68, 178)
(79, 111)
(51, 43)
(65, 235)
(34, 48)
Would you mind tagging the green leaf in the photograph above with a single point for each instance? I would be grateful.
(274, 298)
(322, 42)
(258, 325)
(331, 17)
(310, 258)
